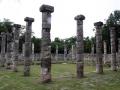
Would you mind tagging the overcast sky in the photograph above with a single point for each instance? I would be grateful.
(63, 23)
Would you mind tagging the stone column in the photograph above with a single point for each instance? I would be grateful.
(99, 61)
(9, 50)
(119, 52)
(46, 43)
(93, 54)
(92, 49)
(73, 52)
(32, 51)
(80, 46)
(65, 52)
(3, 43)
(28, 47)
(113, 49)
(105, 47)
(56, 56)
(105, 51)
(16, 46)
(23, 51)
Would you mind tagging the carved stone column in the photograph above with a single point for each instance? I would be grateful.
(32, 51)
(99, 59)
(56, 55)
(23, 50)
(119, 52)
(92, 53)
(113, 49)
(73, 51)
(105, 51)
(9, 50)
(46, 43)
(28, 47)
(80, 46)
(65, 51)
(3, 43)
(16, 46)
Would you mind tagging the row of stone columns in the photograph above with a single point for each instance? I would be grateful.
(46, 59)
(13, 44)
(12, 54)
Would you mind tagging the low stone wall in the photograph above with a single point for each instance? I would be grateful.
(87, 57)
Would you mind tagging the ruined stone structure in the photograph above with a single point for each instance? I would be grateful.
(32, 56)
(113, 49)
(16, 46)
(46, 41)
(65, 51)
(3, 43)
(118, 52)
(92, 53)
(23, 49)
(56, 55)
(9, 50)
(73, 51)
(105, 51)
(28, 45)
(99, 60)
(80, 46)
(92, 48)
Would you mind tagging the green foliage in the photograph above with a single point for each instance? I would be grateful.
(87, 45)
(113, 20)
(6, 26)
(57, 42)
(37, 44)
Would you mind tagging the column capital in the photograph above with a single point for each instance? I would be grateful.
(17, 25)
(79, 17)
(98, 23)
(46, 8)
(29, 19)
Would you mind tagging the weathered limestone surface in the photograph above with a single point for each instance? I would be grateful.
(118, 59)
(65, 52)
(45, 44)
(9, 50)
(113, 49)
(3, 43)
(99, 61)
(73, 52)
(32, 56)
(80, 46)
(23, 50)
(28, 47)
(92, 53)
(105, 52)
(16, 46)
(56, 55)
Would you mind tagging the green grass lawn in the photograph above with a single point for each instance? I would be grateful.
(64, 78)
